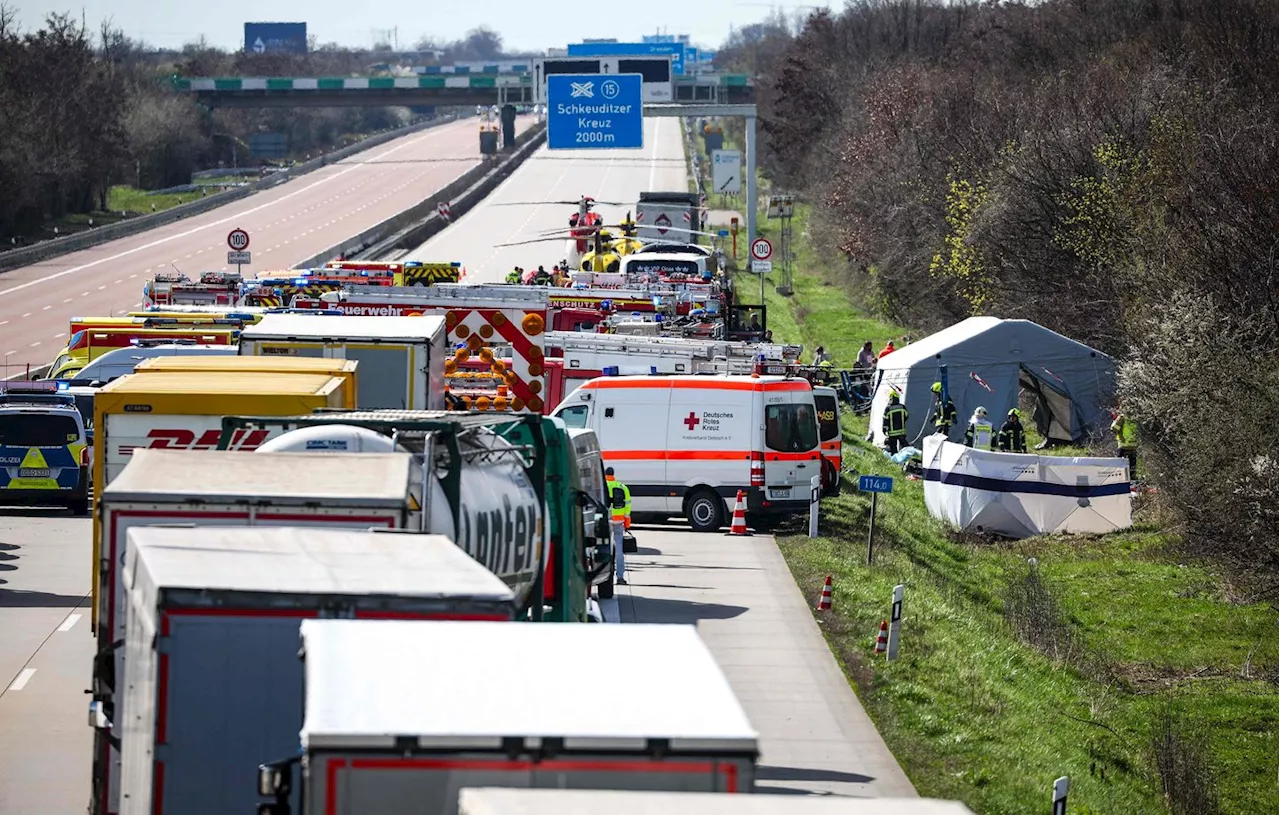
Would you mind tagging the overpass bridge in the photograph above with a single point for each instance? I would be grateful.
(443, 88)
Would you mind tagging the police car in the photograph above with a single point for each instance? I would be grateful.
(44, 451)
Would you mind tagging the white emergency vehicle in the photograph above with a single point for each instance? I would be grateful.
(685, 445)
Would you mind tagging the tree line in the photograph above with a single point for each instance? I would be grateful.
(81, 111)
(1106, 168)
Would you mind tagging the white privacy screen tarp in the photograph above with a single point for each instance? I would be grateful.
(1022, 495)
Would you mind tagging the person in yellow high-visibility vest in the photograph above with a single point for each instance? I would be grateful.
(620, 522)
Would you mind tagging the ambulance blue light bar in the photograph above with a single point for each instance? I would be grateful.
(610, 370)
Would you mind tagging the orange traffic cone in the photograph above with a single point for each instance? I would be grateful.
(739, 524)
(824, 602)
(882, 639)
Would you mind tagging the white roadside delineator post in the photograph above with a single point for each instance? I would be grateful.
(815, 494)
(895, 624)
(1060, 788)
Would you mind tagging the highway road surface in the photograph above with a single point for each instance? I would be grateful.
(46, 655)
(286, 224)
(517, 211)
(815, 738)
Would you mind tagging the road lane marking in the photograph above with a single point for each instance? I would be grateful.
(100, 288)
(69, 623)
(28, 314)
(60, 336)
(46, 308)
(34, 344)
(430, 133)
(23, 679)
(4, 322)
(68, 300)
(118, 282)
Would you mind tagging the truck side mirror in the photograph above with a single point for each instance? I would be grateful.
(273, 780)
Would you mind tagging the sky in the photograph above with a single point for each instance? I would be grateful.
(531, 25)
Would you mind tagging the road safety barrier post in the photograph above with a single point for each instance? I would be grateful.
(815, 494)
(895, 623)
(1060, 788)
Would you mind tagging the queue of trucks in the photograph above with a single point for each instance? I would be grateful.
(322, 499)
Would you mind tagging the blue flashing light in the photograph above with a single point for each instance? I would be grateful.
(611, 370)
(657, 318)
(635, 314)
(653, 370)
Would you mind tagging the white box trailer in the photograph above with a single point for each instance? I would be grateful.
(213, 680)
(221, 488)
(498, 801)
(401, 358)
(401, 716)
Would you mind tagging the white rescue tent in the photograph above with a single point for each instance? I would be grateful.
(987, 361)
(1020, 495)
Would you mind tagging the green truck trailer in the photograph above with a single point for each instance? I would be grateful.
(511, 490)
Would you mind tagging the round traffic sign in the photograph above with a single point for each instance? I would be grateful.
(761, 249)
(238, 240)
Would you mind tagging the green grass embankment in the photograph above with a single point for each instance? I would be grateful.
(1012, 674)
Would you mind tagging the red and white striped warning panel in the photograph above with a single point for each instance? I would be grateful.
(482, 376)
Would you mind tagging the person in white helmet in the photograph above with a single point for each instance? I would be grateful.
(980, 433)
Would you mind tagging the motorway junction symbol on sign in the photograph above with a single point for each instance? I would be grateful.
(594, 111)
(238, 240)
(761, 249)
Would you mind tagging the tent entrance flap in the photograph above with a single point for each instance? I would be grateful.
(1053, 406)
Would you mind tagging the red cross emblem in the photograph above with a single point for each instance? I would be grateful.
(692, 421)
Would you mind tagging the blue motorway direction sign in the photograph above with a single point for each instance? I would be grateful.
(632, 49)
(875, 483)
(272, 38)
(593, 111)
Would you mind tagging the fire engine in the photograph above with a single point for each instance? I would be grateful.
(406, 273)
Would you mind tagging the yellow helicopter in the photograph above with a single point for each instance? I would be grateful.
(604, 248)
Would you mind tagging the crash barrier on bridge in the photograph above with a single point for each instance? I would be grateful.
(44, 250)
(414, 226)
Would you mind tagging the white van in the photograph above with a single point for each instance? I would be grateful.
(685, 445)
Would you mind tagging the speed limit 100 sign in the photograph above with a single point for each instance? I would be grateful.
(238, 240)
(761, 249)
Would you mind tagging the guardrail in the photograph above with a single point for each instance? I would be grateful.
(415, 225)
(56, 247)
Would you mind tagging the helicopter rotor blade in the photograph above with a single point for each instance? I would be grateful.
(561, 203)
(525, 243)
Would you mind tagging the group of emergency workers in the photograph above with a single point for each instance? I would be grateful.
(980, 433)
(1012, 438)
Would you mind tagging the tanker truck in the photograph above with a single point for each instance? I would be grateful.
(506, 488)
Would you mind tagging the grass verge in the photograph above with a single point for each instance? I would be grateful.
(1139, 676)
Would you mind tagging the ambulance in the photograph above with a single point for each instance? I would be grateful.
(685, 445)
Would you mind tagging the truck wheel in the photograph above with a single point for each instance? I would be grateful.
(605, 589)
(704, 511)
(79, 508)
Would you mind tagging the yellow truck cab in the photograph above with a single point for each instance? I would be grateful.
(86, 345)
